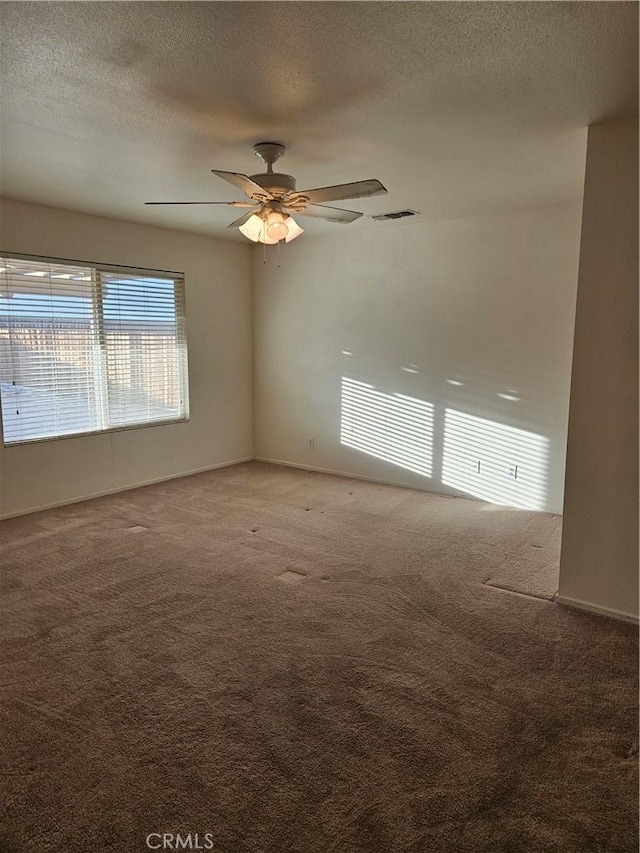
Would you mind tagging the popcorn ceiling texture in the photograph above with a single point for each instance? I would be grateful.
(459, 108)
(292, 661)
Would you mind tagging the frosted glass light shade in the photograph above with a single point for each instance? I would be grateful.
(255, 228)
(294, 229)
(276, 227)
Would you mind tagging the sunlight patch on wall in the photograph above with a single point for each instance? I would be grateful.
(495, 462)
(392, 427)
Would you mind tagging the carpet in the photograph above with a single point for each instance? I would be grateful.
(264, 660)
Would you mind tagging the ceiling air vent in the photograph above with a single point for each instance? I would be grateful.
(398, 214)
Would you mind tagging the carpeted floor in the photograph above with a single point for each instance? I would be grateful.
(282, 661)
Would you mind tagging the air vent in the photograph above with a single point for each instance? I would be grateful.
(398, 214)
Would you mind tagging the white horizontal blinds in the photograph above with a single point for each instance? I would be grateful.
(181, 345)
(47, 350)
(86, 349)
(145, 348)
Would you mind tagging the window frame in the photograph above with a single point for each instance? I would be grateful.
(180, 302)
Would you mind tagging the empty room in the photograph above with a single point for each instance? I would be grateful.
(319, 458)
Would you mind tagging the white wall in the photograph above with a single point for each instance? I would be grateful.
(217, 275)
(599, 560)
(486, 301)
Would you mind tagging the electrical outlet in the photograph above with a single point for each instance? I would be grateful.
(311, 443)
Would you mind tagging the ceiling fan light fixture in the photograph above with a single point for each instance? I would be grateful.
(255, 229)
(271, 228)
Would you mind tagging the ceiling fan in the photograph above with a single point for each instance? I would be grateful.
(274, 199)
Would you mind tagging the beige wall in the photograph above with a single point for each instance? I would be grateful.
(599, 561)
(488, 302)
(217, 275)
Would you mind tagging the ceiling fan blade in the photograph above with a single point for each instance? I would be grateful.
(241, 220)
(244, 183)
(229, 203)
(358, 189)
(331, 214)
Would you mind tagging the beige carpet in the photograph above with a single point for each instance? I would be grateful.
(290, 661)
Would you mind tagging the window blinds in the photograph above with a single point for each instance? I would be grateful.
(88, 348)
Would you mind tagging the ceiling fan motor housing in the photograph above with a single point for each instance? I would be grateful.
(275, 183)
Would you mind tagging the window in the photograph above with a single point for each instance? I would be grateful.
(88, 348)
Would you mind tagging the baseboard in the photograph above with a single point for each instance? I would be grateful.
(351, 476)
(102, 494)
(595, 608)
(89, 497)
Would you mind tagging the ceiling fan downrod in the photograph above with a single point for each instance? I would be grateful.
(269, 152)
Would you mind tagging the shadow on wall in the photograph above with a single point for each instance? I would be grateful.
(483, 458)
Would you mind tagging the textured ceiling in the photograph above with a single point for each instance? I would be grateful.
(458, 108)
